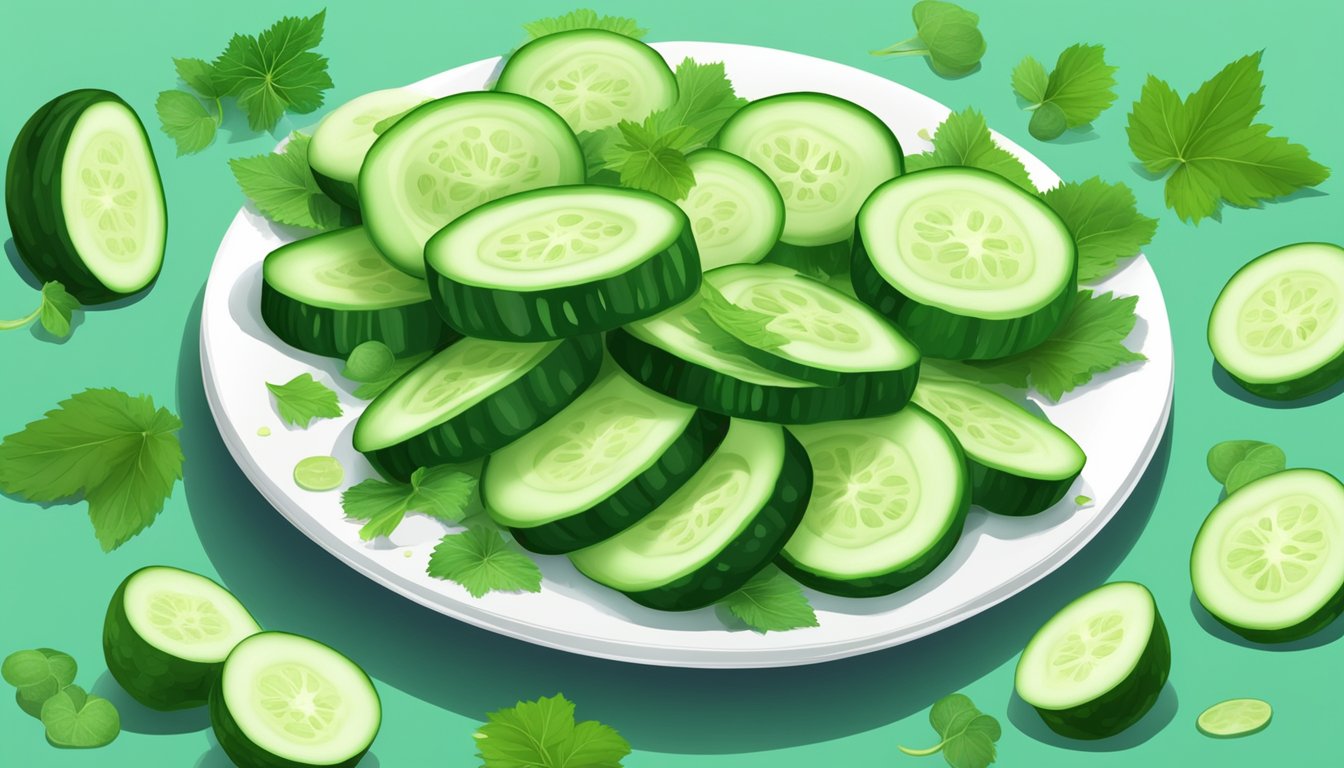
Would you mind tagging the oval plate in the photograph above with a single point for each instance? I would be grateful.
(1118, 419)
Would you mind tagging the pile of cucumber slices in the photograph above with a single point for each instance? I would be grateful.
(663, 390)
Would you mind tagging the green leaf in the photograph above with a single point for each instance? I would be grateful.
(276, 71)
(544, 734)
(1105, 223)
(481, 561)
(439, 492)
(282, 187)
(37, 675)
(1088, 342)
(1209, 148)
(967, 734)
(1228, 454)
(302, 399)
(1030, 80)
(651, 163)
(118, 450)
(1082, 501)
(584, 18)
(1260, 461)
(964, 139)
(369, 361)
(947, 34)
(771, 602)
(184, 118)
(80, 720)
(201, 77)
(1048, 122)
(746, 325)
(705, 101)
(54, 311)
(1077, 91)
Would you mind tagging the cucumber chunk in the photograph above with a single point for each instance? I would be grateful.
(559, 262)
(330, 293)
(1020, 463)
(726, 523)
(341, 141)
(600, 465)
(593, 78)
(1278, 326)
(969, 265)
(284, 701)
(889, 500)
(1269, 560)
(1097, 666)
(84, 198)
(452, 154)
(167, 633)
(1234, 718)
(735, 211)
(472, 398)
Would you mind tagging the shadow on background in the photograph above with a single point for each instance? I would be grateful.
(289, 583)
(1230, 386)
(1025, 719)
(1214, 627)
(137, 718)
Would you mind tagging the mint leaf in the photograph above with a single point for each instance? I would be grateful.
(302, 399)
(201, 77)
(54, 311)
(1228, 454)
(584, 18)
(282, 187)
(947, 34)
(1210, 150)
(481, 561)
(1105, 223)
(184, 118)
(276, 71)
(80, 720)
(651, 162)
(746, 325)
(1075, 93)
(771, 602)
(967, 735)
(543, 733)
(705, 101)
(964, 139)
(1260, 461)
(439, 492)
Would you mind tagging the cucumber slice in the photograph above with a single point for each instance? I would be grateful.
(285, 701)
(167, 633)
(969, 265)
(330, 293)
(825, 156)
(1234, 718)
(735, 211)
(561, 262)
(84, 198)
(453, 154)
(472, 398)
(1278, 326)
(889, 500)
(344, 136)
(717, 531)
(599, 466)
(591, 77)
(1020, 463)
(1269, 560)
(1097, 667)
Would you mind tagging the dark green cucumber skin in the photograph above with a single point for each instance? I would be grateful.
(752, 550)
(406, 330)
(858, 396)
(1318, 380)
(1004, 493)
(1306, 628)
(501, 418)
(632, 501)
(1123, 705)
(820, 262)
(343, 193)
(33, 195)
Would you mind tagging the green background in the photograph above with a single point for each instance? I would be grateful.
(437, 677)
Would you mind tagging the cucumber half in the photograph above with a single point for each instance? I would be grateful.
(716, 531)
(1278, 325)
(593, 78)
(1097, 666)
(472, 398)
(562, 261)
(284, 701)
(452, 154)
(84, 198)
(341, 141)
(1020, 463)
(968, 264)
(167, 633)
(600, 465)
(1269, 560)
(735, 211)
(329, 293)
(889, 500)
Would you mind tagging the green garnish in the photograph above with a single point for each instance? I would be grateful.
(374, 367)
(1228, 454)
(119, 451)
(1234, 717)
(481, 561)
(302, 399)
(37, 675)
(963, 139)
(1210, 150)
(78, 720)
(771, 602)
(1082, 501)
(967, 734)
(947, 34)
(263, 431)
(1105, 222)
(318, 473)
(439, 492)
(1235, 463)
(544, 733)
(584, 18)
(53, 312)
(1075, 93)
(282, 187)
(746, 325)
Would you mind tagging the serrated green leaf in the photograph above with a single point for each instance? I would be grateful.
(746, 325)
(771, 602)
(184, 118)
(650, 162)
(282, 187)
(963, 139)
(1082, 84)
(584, 18)
(439, 492)
(1030, 80)
(276, 71)
(481, 561)
(544, 734)
(705, 101)
(200, 76)
(1105, 223)
(302, 399)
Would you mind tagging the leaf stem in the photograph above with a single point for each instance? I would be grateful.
(9, 325)
(923, 752)
(909, 47)
(219, 113)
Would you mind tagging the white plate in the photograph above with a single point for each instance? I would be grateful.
(1118, 419)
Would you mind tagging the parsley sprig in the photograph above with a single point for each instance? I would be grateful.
(545, 733)
(968, 736)
(54, 312)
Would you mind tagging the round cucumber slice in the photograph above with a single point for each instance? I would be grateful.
(84, 198)
(319, 473)
(1097, 667)
(452, 154)
(593, 78)
(735, 211)
(1234, 718)
(559, 262)
(167, 632)
(1269, 560)
(1278, 325)
(341, 141)
(968, 264)
(284, 701)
